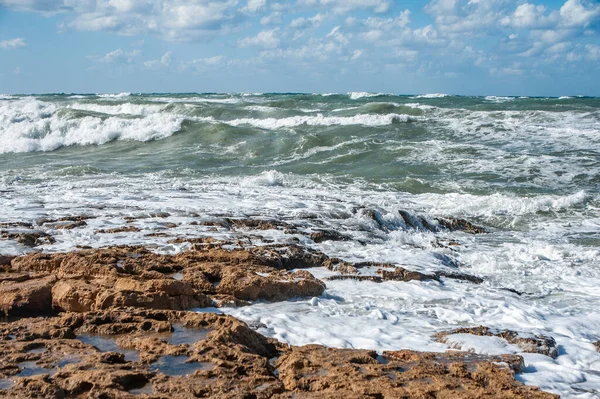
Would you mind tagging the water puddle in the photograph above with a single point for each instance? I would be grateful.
(37, 350)
(31, 368)
(382, 360)
(147, 389)
(178, 365)
(109, 344)
(6, 384)
(68, 359)
(185, 335)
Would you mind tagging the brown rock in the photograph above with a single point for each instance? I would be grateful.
(277, 286)
(122, 229)
(530, 344)
(328, 235)
(597, 345)
(314, 371)
(226, 359)
(74, 295)
(401, 274)
(460, 225)
(6, 259)
(30, 297)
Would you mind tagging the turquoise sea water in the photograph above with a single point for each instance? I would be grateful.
(527, 169)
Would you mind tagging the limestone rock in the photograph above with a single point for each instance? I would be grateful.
(528, 343)
(30, 297)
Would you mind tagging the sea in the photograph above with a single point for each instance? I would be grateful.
(526, 169)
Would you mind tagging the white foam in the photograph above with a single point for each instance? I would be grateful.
(117, 95)
(33, 125)
(120, 109)
(362, 94)
(266, 178)
(321, 120)
(499, 204)
(499, 99)
(432, 95)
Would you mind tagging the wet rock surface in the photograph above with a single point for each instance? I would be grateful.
(133, 276)
(528, 343)
(121, 353)
(115, 323)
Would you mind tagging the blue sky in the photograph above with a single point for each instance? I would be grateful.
(482, 47)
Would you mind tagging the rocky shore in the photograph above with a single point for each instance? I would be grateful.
(127, 322)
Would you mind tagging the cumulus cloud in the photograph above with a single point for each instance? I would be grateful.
(306, 23)
(264, 39)
(502, 37)
(162, 62)
(13, 43)
(345, 6)
(172, 19)
(118, 57)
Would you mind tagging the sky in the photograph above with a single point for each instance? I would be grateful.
(466, 47)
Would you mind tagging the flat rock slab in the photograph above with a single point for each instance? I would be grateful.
(218, 356)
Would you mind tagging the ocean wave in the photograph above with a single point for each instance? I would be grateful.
(117, 95)
(321, 120)
(268, 178)
(432, 95)
(502, 205)
(355, 95)
(31, 125)
(498, 99)
(120, 109)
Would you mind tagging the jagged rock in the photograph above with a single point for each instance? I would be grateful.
(74, 295)
(277, 286)
(227, 359)
(123, 229)
(5, 260)
(528, 343)
(328, 235)
(313, 371)
(460, 225)
(460, 276)
(31, 297)
(30, 238)
(401, 274)
(70, 225)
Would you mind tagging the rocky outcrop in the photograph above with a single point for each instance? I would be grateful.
(597, 345)
(153, 353)
(528, 343)
(28, 297)
(106, 278)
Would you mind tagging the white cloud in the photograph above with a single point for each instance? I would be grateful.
(13, 43)
(345, 6)
(118, 57)
(202, 64)
(172, 19)
(162, 62)
(580, 12)
(306, 23)
(272, 19)
(527, 15)
(264, 39)
(253, 6)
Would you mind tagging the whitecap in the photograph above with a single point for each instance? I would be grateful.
(432, 95)
(321, 120)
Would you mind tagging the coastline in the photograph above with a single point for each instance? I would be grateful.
(129, 322)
